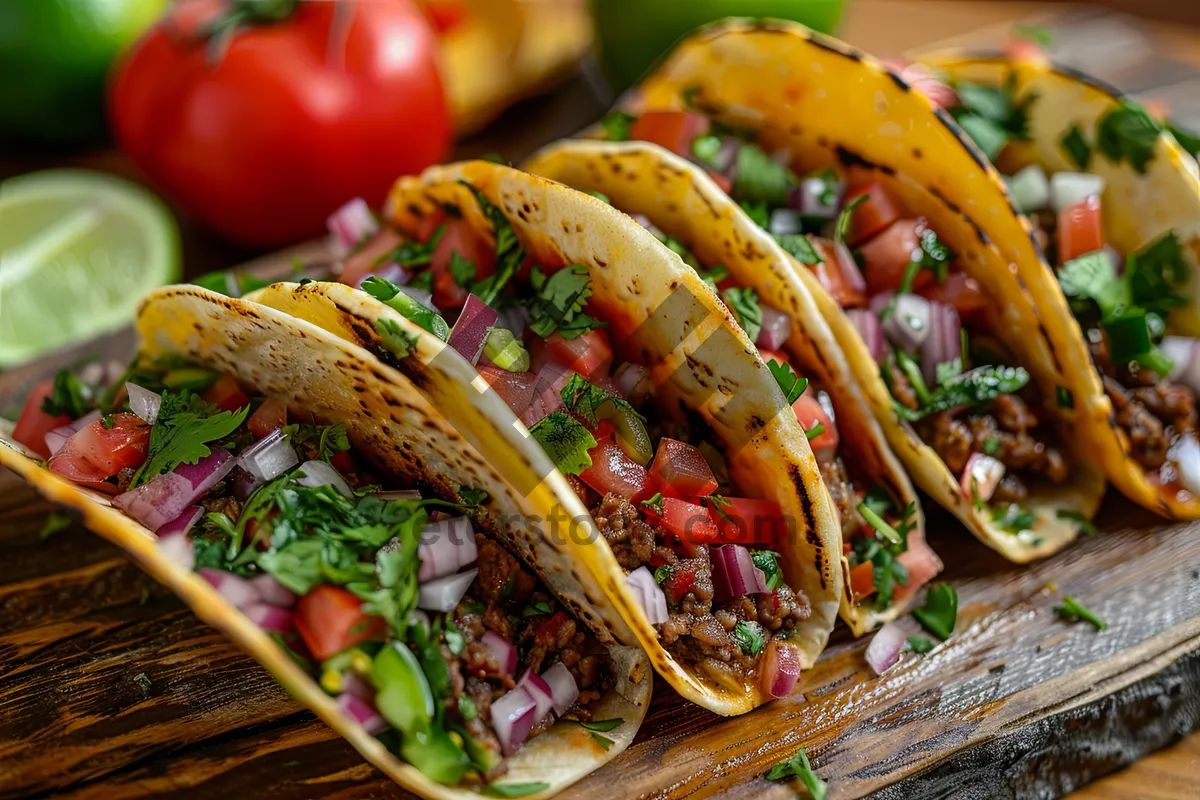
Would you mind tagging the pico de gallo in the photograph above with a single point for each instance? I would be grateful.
(927, 324)
(1122, 301)
(702, 561)
(431, 636)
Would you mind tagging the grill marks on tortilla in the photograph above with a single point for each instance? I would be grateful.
(849, 158)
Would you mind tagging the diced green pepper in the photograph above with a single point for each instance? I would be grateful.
(506, 351)
(632, 435)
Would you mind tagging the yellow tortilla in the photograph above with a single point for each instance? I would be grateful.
(833, 107)
(1138, 208)
(684, 203)
(333, 381)
(660, 314)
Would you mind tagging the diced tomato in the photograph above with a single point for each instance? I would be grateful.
(862, 580)
(96, 452)
(34, 424)
(613, 471)
(922, 566)
(1080, 229)
(444, 15)
(343, 462)
(887, 256)
(429, 223)
(269, 417)
(810, 414)
(1021, 49)
(590, 354)
(773, 355)
(226, 395)
(362, 263)
(689, 521)
(839, 273)
(459, 237)
(330, 619)
(872, 215)
(681, 578)
(743, 520)
(514, 388)
(959, 291)
(721, 180)
(684, 468)
(674, 130)
(547, 630)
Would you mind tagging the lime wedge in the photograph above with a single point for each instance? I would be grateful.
(77, 251)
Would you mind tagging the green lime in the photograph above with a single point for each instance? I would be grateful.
(77, 250)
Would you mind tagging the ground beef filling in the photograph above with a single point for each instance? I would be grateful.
(507, 599)
(845, 497)
(1007, 430)
(1150, 410)
(696, 630)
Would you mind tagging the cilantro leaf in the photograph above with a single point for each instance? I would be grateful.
(566, 441)
(1083, 522)
(602, 740)
(881, 526)
(940, 611)
(1093, 276)
(919, 644)
(616, 126)
(559, 301)
(655, 504)
(792, 384)
(1073, 611)
(974, 388)
(394, 297)
(68, 396)
(462, 270)
(987, 135)
(743, 302)
(1076, 148)
(1013, 519)
(705, 150)
(798, 767)
(748, 636)
(799, 247)
(713, 276)
(935, 255)
(1128, 133)
(398, 342)
(334, 440)
(1186, 139)
(515, 789)
(768, 562)
(1158, 275)
(586, 398)
(842, 226)
(509, 253)
(603, 725)
(665, 571)
(416, 254)
(757, 211)
(182, 433)
(761, 178)
(888, 571)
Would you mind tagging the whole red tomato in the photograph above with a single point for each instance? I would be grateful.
(263, 139)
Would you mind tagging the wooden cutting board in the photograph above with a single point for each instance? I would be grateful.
(110, 687)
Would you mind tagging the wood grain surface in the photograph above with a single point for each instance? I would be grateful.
(110, 687)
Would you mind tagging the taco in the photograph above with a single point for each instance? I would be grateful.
(599, 351)
(271, 475)
(1114, 203)
(881, 520)
(902, 235)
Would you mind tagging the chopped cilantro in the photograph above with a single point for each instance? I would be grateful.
(881, 526)
(1128, 133)
(509, 253)
(334, 440)
(1186, 139)
(757, 211)
(602, 740)
(798, 767)
(799, 247)
(713, 276)
(919, 644)
(768, 562)
(1073, 611)
(748, 636)
(1076, 148)
(185, 427)
(559, 301)
(1013, 519)
(68, 396)
(948, 370)
(655, 504)
(705, 150)
(586, 398)
(462, 270)
(108, 422)
(743, 302)
(603, 725)
(416, 254)
(990, 137)
(940, 611)
(664, 572)
(1064, 396)
(990, 445)
(816, 430)
(888, 571)
(1158, 275)
(842, 226)
(992, 115)
(1083, 522)
(566, 441)
(935, 255)
(469, 497)
(398, 341)
(760, 178)
(515, 789)
(536, 609)
(792, 384)
(878, 499)
(616, 126)
(55, 521)
(971, 389)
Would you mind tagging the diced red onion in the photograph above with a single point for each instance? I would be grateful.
(269, 457)
(85, 420)
(319, 473)
(944, 342)
(391, 272)
(981, 476)
(884, 649)
(399, 494)
(178, 549)
(354, 684)
(513, 319)
(784, 221)
(207, 472)
(734, 573)
(165, 497)
(780, 669)
(868, 326)
(807, 198)
(446, 546)
(907, 326)
(513, 716)
(273, 593)
(271, 618)
(1183, 351)
(183, 523)
(649, 594)
(350, 225)
(776, 327)
(56, 438)
(444, 594)
(632, 381)
(143, 402)
(504, 651)
(234, 588)
(726, 155)
(1186, 455)
(1072, 188)
(847, 267)
(470, 332)
(537, 688)
(361, 712)
(563, 688)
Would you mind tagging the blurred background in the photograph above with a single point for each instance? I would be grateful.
(145, 140)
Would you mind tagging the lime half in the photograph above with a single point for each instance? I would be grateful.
(77, 251)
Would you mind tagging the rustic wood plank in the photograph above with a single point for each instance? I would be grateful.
(1168, 775)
